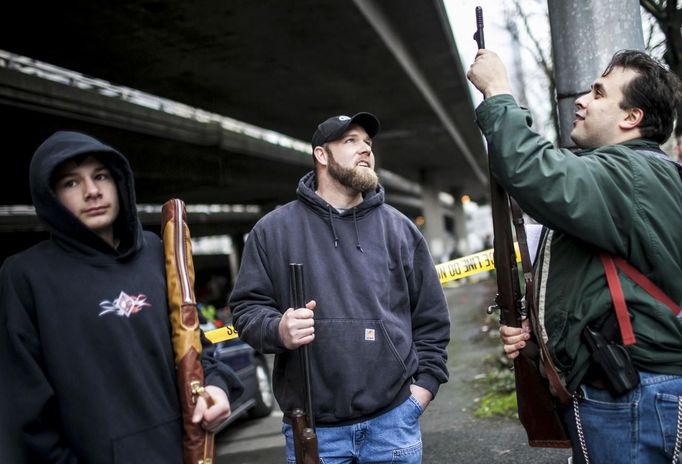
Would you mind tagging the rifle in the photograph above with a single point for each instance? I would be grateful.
(537, 406)
(198, 444)
(303, 420)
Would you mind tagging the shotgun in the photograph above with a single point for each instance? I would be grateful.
(198, 444)
(537, 406)
(303, 419)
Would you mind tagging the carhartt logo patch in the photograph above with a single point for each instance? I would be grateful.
(370, 335)
(125, 305)
(343, 118)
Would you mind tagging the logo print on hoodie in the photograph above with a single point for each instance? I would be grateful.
(124, 305)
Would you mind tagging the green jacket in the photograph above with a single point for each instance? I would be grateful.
(611, 198)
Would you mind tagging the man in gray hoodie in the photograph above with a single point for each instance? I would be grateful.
(376, 323)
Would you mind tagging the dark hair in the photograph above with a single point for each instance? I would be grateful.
(655, 90)
(79, 159)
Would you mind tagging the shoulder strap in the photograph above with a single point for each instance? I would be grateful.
(646, 284)
(610, 263)
(618, 298)
(556, 385)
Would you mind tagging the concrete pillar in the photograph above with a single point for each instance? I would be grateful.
(461, 233)
(234, 258)
(585, 34)
(434, 223)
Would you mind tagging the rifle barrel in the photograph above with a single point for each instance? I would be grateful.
(298, 296)
(536, 405)
(478, 36)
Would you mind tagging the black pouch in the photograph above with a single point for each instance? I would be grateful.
(611, 358)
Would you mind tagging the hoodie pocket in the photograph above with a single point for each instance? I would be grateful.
(357, 369)
(161, 443)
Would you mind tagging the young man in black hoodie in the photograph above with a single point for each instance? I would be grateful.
(377, 315)
(87, 357)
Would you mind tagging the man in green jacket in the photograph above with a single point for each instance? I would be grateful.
(619, 195)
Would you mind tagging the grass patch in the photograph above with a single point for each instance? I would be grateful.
(499, 394)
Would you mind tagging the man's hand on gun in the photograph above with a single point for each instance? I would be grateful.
(514, 338)
(488, 74)
(297, 326)
(213, 415)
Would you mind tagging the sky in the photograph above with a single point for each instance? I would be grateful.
(497, 38)
(463, 20)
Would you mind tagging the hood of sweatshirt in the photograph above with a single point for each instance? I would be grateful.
(371, 200)
(66, 229)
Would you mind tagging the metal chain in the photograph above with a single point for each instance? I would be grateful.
(579, 428)
(583, 444)
(678, 435)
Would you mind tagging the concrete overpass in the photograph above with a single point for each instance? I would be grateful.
(280, 65)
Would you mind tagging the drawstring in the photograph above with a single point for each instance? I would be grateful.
(357, 233)
(336, 237)
(331, 223)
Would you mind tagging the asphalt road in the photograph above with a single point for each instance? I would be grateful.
(450, 432)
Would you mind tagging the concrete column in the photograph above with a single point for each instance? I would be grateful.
(585, 34)
(461, 233)
(434, 223)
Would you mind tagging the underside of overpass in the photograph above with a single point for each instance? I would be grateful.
(281, 65)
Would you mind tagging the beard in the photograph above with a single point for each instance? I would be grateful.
(355, 178)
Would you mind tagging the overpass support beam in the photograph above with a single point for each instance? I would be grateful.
(235, 258)
(434, 230)
(460, 227)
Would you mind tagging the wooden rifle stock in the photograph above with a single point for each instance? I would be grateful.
(198, 444)
(303, 420)
(305, 439)
(537, 406)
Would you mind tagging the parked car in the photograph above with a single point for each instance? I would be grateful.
(252, 368)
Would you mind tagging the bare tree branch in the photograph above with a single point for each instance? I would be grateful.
(669, 18)
(654, 8)
(544, 62)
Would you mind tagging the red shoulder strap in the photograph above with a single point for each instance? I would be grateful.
(650, 287)
(618, 299)
(609, 262)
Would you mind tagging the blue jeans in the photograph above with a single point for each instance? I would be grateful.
(393, 437)
(638, 427)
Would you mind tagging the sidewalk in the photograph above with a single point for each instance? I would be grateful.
(451, 433)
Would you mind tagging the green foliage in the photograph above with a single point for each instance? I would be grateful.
(497, 404)
(499, 398)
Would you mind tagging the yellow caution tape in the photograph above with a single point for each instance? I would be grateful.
(447, 272)
(222, 334)
(469, 265)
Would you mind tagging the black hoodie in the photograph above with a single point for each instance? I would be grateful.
(90, 353)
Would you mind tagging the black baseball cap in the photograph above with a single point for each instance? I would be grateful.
(334, 127)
